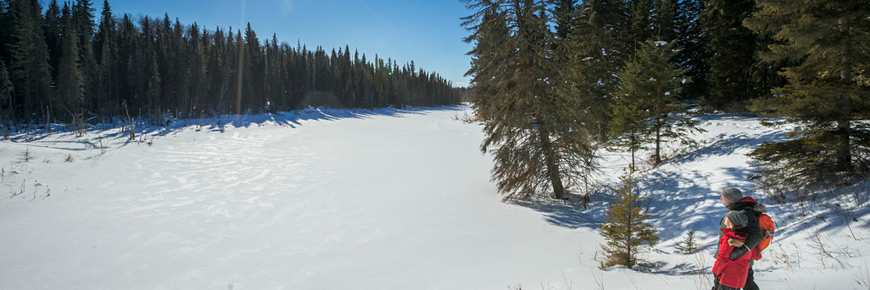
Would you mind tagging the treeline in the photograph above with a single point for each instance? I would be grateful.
(557, 80)
(61, 66)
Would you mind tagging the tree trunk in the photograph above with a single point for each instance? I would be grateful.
(48, 118)
(602, 132)
(632, 141)
(12, 121)
(660, 120)
(629, 234)
(844, 150)
(658, 154)
(550, 159)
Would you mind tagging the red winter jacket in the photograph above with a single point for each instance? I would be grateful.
(731, 273)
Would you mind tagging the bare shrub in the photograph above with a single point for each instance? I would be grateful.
(26, 156)
(823, 253)
(863, 277)
(791, 259)
(701, 277)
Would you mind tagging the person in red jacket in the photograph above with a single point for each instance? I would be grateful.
(733, 199)
(731, 274)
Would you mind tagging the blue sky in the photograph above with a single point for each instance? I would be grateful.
(427, 32)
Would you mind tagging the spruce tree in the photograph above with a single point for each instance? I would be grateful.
(688, 245)
(6, 26)
(665, 20)
(731, 48)
(105, 31)
(693, 53)
(651, 83)
(347, 92)
(254, 71)
(596, 54)
(489, 31)
(218, 74)
(536, 136)
(53, 28)
(29, 67)
(126, 52)
(148, 70)
(181, 73)
(631, 112)
(167, 62)
(106, 93)
(6, 90)
(564, 15)
(70, 81)
(243, 69)
(826, 96)
(196, 72)
(83, 16)
(626, 229)
(641, 23)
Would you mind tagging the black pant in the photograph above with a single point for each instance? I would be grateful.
(718, 286)
(750, 282)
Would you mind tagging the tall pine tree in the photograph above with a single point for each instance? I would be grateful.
(536, 136)
(29, 64)
(53, 29)
(6, 90)
(106, 94)
(652, 83)
(70, 80)
(6, 26)
(195, 53)
(731, 48)
(83, 17)
(596, 53)
(629, 125)
(641, 23)
(827, 94)
(693, 54)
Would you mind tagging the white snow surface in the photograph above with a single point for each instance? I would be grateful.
(383, 199)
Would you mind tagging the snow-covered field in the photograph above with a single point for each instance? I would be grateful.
(384, 199)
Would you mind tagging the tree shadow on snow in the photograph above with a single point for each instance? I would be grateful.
(679, 201)
(565, 215)
(294, 119)
(727, 145)
(291, 119)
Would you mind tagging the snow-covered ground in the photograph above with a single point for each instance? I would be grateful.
(384, 199)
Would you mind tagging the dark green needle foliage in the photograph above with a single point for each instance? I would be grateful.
(827, 95)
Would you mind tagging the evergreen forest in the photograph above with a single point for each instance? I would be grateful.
(558, 81)
(63, 64)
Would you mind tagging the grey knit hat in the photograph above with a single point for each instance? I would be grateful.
(732, 194)
(737, 218)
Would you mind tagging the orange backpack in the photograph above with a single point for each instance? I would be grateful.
(767, 230)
